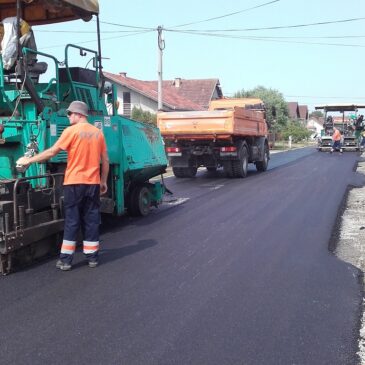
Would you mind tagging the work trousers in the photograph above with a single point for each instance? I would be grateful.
(82, 210)
(336, 145)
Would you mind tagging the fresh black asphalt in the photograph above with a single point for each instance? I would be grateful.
(227, 271)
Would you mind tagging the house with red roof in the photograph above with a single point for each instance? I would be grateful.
(303, 112)
(177, 95)
(293, 108)
(297, 112)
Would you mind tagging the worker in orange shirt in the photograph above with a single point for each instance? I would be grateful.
(336, 138)
(83, 183)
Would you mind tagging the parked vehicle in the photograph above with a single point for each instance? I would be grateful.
(231, 134)
(32, 117)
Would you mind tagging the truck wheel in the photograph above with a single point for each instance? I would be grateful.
(239, 167)
(262, 165)
(185, 171)
(178, 172)
(140, 201)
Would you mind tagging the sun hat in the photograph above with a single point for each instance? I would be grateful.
(78, 107)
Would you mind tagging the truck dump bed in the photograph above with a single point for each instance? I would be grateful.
(212, 124)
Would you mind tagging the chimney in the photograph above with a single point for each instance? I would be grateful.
(177, 82)
(123, 74)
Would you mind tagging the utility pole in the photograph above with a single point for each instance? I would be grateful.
(161, 47)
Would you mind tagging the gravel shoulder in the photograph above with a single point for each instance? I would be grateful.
(350, 245)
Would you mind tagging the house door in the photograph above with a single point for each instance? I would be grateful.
(127, 110)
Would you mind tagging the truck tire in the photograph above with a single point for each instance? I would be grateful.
(178, 172)
(262, 165)
(139, 201)
(240, 166)
(185, 171)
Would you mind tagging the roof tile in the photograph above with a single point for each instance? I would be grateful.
(178, 94)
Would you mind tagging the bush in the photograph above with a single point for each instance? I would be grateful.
(143, 116)
(296, 131)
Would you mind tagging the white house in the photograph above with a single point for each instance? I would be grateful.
(315, 125)
(178, 95)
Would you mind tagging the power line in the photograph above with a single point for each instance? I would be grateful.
(128, 26)
(241, 29)
(131, 32)
(213, 32)
(226, 15)
(313, 37)
(200, 21)
(84, 31)
(272, 27)
(324, 97)
(256, 38)
(102, 39)
(249, 38)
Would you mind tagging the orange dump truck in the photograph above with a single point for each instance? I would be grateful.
(231, 134)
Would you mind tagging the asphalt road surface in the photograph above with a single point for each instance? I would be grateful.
(227, 271)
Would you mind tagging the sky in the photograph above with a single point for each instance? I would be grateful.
(311, 64)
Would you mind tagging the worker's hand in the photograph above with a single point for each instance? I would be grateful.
(103, 188)
(23, 161)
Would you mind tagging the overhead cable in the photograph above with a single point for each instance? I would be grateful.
(257, 38)
(272, 27)
(128, 26)
(226, 15)
(103, 39)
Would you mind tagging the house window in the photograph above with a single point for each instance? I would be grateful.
(127, 109)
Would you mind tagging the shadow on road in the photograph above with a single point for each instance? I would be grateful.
(113, 254)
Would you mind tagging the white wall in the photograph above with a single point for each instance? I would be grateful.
(314, 125)
(137, 100)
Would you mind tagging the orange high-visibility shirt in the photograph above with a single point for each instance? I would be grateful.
(336, 135)
(85, 145)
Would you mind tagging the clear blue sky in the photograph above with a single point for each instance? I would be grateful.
(311, 65)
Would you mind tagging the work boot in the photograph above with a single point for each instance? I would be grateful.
(63, 266)
(93, 263)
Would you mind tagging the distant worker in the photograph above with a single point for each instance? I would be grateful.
(359, 122)
(328, 124)
(362, 144)
(86, 149)
(336, 139)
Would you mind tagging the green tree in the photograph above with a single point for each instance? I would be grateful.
(296, 130)
(276, 108)
(316, 114)
(143, 116)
